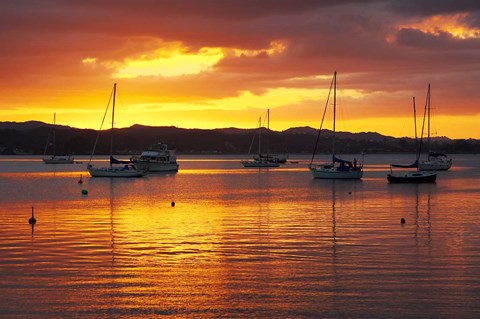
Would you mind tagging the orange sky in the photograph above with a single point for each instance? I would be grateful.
(215, 64)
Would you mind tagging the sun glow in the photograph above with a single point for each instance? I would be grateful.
(453, 24)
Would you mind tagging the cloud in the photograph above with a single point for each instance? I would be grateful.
(432, 7)
(206, 52)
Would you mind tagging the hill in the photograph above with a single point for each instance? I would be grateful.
(30, 138)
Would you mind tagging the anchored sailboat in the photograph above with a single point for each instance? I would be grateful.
(262, 160)
(435, 161)
(338, 168)
(54, 158)
(116, 168)
(412, 176)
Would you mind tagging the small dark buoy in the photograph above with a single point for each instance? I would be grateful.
(349, 193)
(80, 181)
(84, 192)
(173, 203)
(402, 220)
(32, 220)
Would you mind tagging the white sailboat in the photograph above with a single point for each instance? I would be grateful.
(411, 176)
(435, 161)
(54, 158)
(116, 168)
(337, 168)
(261, 160)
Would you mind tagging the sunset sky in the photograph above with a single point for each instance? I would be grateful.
(218, 63)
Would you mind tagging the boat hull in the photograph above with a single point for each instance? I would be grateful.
(412, 177)
(435, 165)
(156, 166)
(58, 160)
(276, 158)
(114, 172)
(259, 164)
(333, 173)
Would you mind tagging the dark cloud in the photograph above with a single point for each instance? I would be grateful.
(432, 7)
(440, 41)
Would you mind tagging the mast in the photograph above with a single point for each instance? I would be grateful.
(259, 136)
(415, 126)
(428, 119)
(415, 118)
(334, 108)
(419, 145)
(113, 118)
(268, 129)
(53, 135)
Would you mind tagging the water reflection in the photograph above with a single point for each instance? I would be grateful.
(421, 206)
(33, 229)
(269, 244)
(112, 228)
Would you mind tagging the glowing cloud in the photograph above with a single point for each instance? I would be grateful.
(452, 24)
(276, 47)
(171, 60)
(175, 59)
(89, 60)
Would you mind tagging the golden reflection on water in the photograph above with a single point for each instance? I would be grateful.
(238, 243)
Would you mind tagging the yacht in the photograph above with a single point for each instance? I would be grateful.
(157, 158)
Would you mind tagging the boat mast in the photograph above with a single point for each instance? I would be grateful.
(428, 120)
(268, 129)
(259, 136)
(53, 135)
(417, 143)
(113, 117)
(334, 108)
(415, 125)
(415, 118)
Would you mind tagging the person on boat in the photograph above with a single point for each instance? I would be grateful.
(354, 162)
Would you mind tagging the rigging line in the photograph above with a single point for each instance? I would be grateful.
(321, 123)
(101, 126)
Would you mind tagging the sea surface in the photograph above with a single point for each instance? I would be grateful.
(238, 243)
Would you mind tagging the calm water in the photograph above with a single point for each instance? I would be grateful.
(239, 243)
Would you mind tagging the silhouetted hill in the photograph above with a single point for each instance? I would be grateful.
(31, 137)
(22, 126)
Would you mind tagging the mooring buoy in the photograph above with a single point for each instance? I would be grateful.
(32, 220)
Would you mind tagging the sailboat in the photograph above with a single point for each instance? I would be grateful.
(337, 168)
(116, 168)
(435, 161)
(262, 160)
(273, 158)
(412, 176)
(54, 158)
